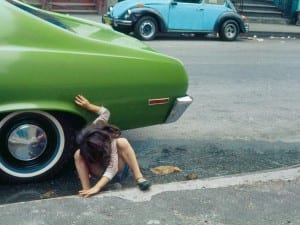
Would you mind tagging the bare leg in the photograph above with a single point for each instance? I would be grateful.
(82, 170)
(127, 155)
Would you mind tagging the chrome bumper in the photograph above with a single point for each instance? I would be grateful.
(115, 22)
(178, 109)
(247, 27)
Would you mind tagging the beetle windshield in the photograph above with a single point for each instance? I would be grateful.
(42, 15)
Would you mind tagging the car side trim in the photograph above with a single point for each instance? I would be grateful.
(179, 107)
(117, 22)
(190, 31)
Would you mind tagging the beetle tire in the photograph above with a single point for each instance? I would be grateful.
(146, 28)
(229, 31)
(32, 146)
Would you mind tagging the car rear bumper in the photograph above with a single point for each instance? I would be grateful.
(247, 27)
(178, 109)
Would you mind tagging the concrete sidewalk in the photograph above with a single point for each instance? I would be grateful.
(275, 30)
(271, 198)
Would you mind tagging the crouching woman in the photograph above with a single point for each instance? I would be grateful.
(103, 153)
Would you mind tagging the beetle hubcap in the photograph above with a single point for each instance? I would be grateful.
(147, 29)
(27, 142)
(230, 31)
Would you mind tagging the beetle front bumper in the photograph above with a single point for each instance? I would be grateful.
(116, 22)
(178, 109)
(124, 26)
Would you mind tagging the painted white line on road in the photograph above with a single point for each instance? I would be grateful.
(218, 182)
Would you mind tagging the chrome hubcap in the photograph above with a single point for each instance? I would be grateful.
(147, 29)
(230, 31)
(27, 142)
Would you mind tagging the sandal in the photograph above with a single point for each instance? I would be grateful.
(144, 185)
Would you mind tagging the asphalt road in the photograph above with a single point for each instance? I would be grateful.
(246, 90)
(244, 118)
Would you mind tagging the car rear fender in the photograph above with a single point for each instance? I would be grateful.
(229, 16)
(138, 13)
(49, 106)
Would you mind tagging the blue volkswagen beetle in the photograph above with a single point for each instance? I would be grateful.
(146, 18)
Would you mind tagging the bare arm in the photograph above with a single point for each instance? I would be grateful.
(85, 104)
(108, 175)
(96, 188)
(103, 113)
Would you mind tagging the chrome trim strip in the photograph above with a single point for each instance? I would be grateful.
(190, 31)
(247, 27)
(117, 22)
(114, 21)
(178, 109)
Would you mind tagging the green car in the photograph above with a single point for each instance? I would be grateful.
(46, 59)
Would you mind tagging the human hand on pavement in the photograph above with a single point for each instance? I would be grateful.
(89, 192)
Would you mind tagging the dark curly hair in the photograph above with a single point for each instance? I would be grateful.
(95, 142)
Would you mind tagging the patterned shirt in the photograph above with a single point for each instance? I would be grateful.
(112, 167)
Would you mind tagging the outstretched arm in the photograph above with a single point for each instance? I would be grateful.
(103, 112)
(96, 188)
(85, 104)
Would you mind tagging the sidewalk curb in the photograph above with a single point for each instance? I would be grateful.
(286, 174)
(271, 34)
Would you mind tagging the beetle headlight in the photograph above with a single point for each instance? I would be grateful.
(127, 15)
(110, 10)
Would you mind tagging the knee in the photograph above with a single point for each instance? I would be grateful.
(124, 145)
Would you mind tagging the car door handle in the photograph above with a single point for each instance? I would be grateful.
(200, 9)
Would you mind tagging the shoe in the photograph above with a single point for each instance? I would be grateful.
(144, 185)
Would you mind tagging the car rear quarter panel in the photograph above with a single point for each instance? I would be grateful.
(228, 16)
(44, 67)
(50, 80)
